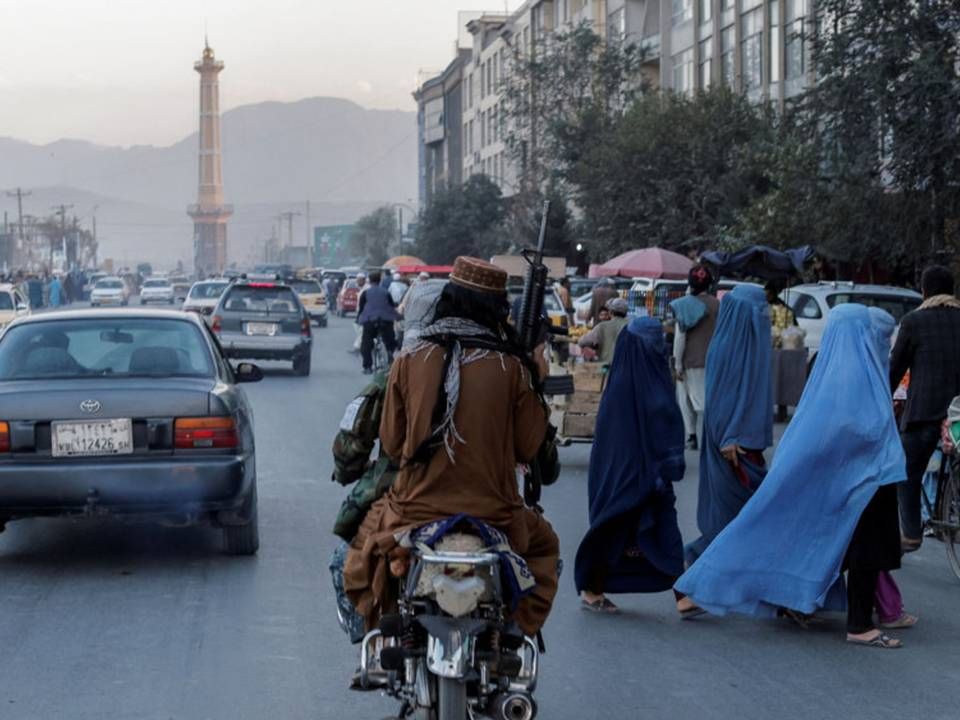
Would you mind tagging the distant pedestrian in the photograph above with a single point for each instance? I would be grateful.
(603, 336)
(56, 292)
(633, 544)
(829, 502)
(563, 290)
(604, 292)
(738, 413)
(928, 346)
(696, 319)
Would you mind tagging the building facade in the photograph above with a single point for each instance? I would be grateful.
(756, 47)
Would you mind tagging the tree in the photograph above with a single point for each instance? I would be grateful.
(373, 233)
(884, 116)
(466, 220)
(646, 183)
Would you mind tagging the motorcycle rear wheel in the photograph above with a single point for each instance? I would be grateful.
(949, 513)
(451, 699)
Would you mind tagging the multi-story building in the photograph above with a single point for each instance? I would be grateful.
(756, 47)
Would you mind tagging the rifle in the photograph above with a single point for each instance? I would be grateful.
(530, 324)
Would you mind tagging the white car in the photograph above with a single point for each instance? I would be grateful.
(156, 290)
(812, 303)
(13, 304)
(110, 290)
(204, 296)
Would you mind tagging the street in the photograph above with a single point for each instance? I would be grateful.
(103, 620)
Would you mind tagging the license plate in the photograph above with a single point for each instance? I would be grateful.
(257, 328)
(92, 437)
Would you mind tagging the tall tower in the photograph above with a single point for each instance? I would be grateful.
(210, 213)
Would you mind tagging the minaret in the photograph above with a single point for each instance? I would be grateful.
(209, 214)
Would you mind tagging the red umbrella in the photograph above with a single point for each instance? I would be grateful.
(649, 263)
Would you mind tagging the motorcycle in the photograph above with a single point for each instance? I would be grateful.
(449, 652)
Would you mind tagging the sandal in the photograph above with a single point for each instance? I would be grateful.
(909, 545)
(880, 640)
(905, 621)
(603, 605)
(800, 619)
(691, 612)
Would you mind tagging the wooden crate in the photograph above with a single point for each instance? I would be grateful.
(579, 424)
(584, 401)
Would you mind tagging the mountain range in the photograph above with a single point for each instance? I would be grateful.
(342, 158)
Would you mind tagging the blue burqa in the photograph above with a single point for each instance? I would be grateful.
(786, 548)
(637, 455)
(738, 411)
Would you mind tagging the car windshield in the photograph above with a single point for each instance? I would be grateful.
(267, 299)
(6, 301)
(156, 284)
(896, 305)
(113, 347)
(207, 291)
(109, 285)
(306, 287)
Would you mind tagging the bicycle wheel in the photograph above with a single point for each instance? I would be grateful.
(948, 512)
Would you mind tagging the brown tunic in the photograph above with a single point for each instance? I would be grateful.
(502, 422)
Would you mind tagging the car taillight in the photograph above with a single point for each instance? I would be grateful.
(215, 324)
(305, 327)
(205, 432)
(4, 437)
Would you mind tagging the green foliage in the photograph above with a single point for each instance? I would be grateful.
(675, 172)
(373, 234)
(467, 220)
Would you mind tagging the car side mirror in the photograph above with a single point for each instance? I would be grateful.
(248, 373)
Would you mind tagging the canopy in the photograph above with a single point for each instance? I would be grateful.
(654, 263)
(401, 260)
(759, 261)
(436, 270)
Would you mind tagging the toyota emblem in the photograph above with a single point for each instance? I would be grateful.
(90, 406)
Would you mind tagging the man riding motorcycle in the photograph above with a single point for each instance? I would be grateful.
(462, 409)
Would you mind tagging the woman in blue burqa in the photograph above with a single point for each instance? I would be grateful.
(633, 544)
(738, 413)
(829, 502)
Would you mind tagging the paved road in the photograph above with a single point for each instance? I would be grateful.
(103, 621)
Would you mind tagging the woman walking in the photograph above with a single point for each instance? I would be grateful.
(633, 544)
(829, 503)
(738, 415)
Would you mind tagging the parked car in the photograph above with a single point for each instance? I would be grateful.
(313, 298)
(204, 296)
(92, 279)
(264, 320)
(130, 414)
(581, 305)
(811, 303)
(110, 290)
(156, 290)
(13, 304)
(552, 305)
(349, 297)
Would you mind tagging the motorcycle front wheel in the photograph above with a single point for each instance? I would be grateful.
(451, 699)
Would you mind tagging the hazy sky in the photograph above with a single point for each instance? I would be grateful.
(120, 72)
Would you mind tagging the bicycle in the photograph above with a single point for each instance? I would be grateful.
(943, 510)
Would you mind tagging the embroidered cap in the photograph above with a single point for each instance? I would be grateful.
(476, 274)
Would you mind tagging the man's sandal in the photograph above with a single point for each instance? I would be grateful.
(905, 621)
(603, 605)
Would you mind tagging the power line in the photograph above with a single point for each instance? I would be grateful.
(19, 194)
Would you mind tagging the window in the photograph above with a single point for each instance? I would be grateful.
(727, 40)
(896, 305)
(795, 66)
(706, 62)
(617, 25)
(470, 91)
(751, 52)
(682, 11)
(683, 71)
(728, 4)
(706, 11)
(483, 130)
(776, 49)
(804, 306)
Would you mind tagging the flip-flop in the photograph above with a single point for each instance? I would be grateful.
(909, 545)
(882, 641)
(691, 612)
(904, 622)
(603, 606)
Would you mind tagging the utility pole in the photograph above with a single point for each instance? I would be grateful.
(309, 238)
(289, 215)
(60, 210)
(19, 195)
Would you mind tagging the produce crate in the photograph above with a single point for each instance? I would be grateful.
(579, 425)
(584, 401)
